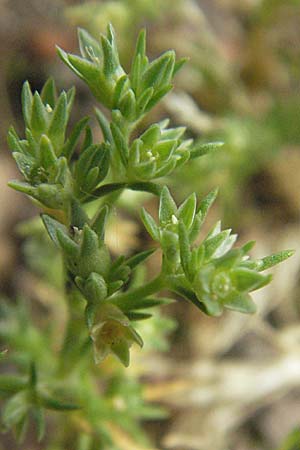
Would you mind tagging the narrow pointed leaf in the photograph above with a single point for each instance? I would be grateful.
(48, 94)
(186, 211)
(203, 149)
(167, 206)
(27, 100)
(139, 258)
(150, 225)
(272, 260)
(52, 226)
(58, 122)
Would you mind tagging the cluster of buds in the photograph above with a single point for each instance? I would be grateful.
(132, 94)
(213, 275)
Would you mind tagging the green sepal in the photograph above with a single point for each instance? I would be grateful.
(212, 307)
(121, 350)
(246, 280)
(167, 206)
(150, 225)
(240, 302)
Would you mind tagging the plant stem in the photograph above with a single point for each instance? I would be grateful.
(69, 353)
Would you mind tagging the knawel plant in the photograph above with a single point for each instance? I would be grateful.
(63, 173)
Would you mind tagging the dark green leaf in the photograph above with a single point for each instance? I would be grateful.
(139, 258)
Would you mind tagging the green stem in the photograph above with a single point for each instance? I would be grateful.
(74, 332)
(125, 299)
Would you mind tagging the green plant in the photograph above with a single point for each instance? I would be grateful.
(103, 303)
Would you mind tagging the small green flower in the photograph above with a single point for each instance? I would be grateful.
(112, 333)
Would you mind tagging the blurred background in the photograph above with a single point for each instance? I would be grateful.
(231, 383)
